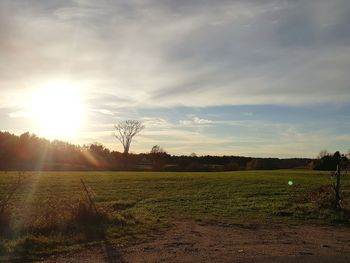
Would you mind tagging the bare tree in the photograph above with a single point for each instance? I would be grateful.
(125, 132)
(156, 149)
(322, 154)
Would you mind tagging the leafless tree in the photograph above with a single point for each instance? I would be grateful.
(322, 154)
(156, 149)
(125, 132)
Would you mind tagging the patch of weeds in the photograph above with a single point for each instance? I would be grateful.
(322, 197)
(122, 205)
(7, 192)
(3, 247)
(48, 222)
(284, 213)
(29, 246)
(305, 211)
(5, 222)
(54, 217)
(89, 222)
(76, 221)
(318, 204)
(341, 217)
(127, 217)
(85, 214)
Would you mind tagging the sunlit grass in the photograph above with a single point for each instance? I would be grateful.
(139, 203)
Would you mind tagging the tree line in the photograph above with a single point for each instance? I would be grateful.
(29, 152)
(329, 161)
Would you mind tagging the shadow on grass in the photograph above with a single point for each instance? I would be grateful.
(83, 228)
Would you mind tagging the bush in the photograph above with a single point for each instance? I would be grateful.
(321, 198)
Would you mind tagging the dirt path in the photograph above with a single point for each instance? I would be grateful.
(186, 241)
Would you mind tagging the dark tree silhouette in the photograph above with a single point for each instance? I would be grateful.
(28, 152)
(342, 166)
(323, 153)
(125, 132)
(156, 149)
(159, 157)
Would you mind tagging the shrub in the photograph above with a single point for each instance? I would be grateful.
(321, 198)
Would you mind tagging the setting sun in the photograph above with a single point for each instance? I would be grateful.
(57, 110)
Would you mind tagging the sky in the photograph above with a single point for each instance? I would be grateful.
(263, 78)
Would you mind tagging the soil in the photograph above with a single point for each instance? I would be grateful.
(186, 241)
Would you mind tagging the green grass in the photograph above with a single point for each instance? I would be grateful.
(140, 204)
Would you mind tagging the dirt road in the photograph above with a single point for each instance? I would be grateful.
(187, 241)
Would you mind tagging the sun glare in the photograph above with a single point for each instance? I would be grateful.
(58, 110)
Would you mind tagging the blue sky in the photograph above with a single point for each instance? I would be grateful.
(241, 77)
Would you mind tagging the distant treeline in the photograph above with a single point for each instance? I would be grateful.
(28, 152)
(328, 162)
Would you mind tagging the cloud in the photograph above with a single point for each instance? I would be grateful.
(195, 121)
(141, 59)
(156, 123)
(193, 53)
(103, 111)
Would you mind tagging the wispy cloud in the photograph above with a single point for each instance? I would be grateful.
(195, 121)
(192, 53)
(135, 59)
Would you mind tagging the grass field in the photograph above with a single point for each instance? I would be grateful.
(140, 204)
